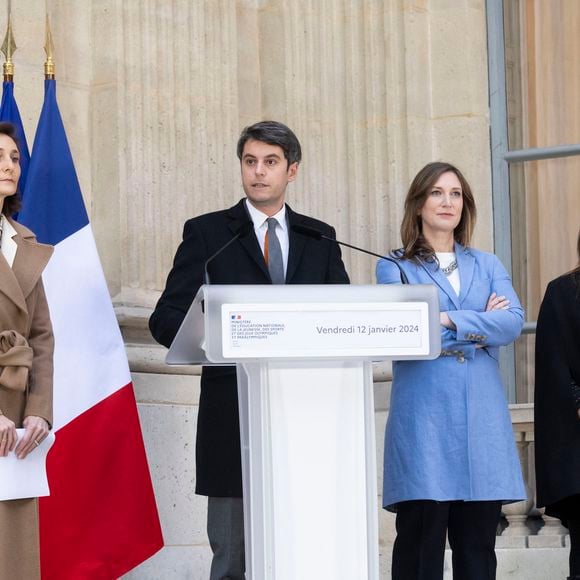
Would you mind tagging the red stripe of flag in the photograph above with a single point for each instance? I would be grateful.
(101, 508)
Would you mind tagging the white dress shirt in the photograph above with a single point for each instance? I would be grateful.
(261, 227)
(445, 259)
(9, 246)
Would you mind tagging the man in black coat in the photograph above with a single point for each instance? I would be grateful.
(272, 252)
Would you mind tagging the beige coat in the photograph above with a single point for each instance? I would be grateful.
(23, 309)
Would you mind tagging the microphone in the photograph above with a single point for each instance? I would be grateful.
(318, 235)
(240, 232)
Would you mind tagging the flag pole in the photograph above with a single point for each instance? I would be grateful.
(8, 108)
(49, 68)
(8, 47)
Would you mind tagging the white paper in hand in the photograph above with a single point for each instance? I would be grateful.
(22, 478)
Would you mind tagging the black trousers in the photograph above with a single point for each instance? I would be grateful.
(574, 527)
(422, 526)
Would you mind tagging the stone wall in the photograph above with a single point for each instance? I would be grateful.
(154, 93)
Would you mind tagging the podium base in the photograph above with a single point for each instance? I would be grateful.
(309, 470)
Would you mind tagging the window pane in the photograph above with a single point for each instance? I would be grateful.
(542, 72)
(545, 209)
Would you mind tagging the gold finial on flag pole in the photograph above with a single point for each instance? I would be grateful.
(8, 47)
(49, 68)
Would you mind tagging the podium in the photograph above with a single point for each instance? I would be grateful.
(304, 358)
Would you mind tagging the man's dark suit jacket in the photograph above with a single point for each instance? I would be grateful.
(310, 261)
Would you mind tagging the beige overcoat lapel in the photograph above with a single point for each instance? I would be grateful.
(30, 260)
(10, 286)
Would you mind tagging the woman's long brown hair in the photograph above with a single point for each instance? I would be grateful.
(415, 246)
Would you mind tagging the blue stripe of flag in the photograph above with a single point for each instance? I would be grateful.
(53, 207)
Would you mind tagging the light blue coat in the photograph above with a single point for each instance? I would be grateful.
(449, 434)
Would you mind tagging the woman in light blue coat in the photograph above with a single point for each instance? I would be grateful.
(450, 457)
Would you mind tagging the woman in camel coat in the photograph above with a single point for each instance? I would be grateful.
(26, 348)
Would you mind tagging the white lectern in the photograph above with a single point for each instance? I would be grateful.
(305, 389)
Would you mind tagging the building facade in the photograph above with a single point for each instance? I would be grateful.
(154, 94)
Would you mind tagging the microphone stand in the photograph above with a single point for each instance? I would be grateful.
(317, 234)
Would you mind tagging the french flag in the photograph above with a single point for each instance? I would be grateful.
(101, 518)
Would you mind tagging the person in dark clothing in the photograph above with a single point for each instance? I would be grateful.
(557, 406)
(272, 253)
